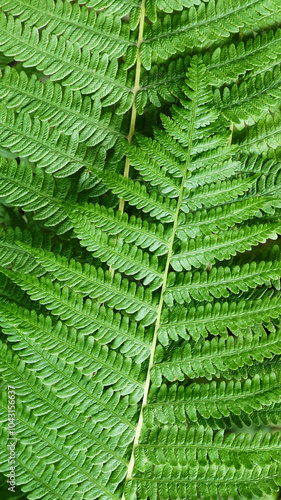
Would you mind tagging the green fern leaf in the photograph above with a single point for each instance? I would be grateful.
(140, 288)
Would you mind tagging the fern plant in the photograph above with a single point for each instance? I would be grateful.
(139, 279)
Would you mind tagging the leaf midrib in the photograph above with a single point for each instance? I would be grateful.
(163, 289)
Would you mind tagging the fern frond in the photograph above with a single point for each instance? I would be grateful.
(221, 246)
(120, 294)
(225, 64)
(44, 344)
(132, 230)
(169, 445)
(119, 255)
(13, 294)
(34, 139)
(77, 430)
(136, 194)
(228, 62)
(200, 26)
(265, 133)
(221, 281)
(77, 24)
(267, 415)
(88, 317)
(38, 193)
(60, 107)
(252, 98)
(156, 175)
(161, 82)
(65, 61)
(175, 404)
(127, 379)
(222, 217)
(113, 6)
(208, 481)
(267, 366)
(11, 254)
(218, 193)
(217, 318)
(212, 357)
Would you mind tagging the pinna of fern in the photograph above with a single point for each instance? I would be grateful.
(127, 385)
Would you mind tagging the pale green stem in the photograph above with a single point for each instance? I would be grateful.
(161, 301)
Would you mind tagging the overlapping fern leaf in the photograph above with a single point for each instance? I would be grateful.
(134, 359)
(140, 306)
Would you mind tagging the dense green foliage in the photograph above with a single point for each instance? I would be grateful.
(140, 174)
